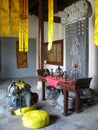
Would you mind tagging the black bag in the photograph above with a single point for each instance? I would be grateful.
(34, 98)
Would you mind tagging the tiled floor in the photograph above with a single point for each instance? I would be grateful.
(86, 120)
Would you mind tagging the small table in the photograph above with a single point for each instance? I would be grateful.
(66, 87)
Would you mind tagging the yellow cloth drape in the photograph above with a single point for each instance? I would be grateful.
(17, 12)
(15, 17)
(96, 23)
(4, 17)
(50, 23)
(23, 25)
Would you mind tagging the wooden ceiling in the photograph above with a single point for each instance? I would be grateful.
(59, 5)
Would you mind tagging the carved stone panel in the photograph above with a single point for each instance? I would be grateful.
(77, 48)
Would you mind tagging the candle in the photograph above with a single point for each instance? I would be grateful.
(75, 65)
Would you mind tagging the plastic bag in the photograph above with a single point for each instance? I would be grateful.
(36, 119)
(23, 110)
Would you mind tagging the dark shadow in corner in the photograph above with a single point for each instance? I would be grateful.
(53, 118)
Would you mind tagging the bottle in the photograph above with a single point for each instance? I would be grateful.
(51, 72)
(59, 72)
(64, 75)
(45, 73)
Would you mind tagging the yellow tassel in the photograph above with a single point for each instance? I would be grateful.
(15, 17)
(19, 21)
(20, 37)
(26, 36)
(23, 25)
(4, 17)
(96, 24)
(50, 23)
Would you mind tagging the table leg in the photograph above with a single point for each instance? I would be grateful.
(78, 107)
(65, 92)
(43, 91)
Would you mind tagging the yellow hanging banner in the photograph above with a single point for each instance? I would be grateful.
(96, 24)
(4, 17)
(26, 35)
(23, 25)
(20, 36)
(15, 17)
(26, 27)
(50, 23)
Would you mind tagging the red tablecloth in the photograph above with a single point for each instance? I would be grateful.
(53, 81)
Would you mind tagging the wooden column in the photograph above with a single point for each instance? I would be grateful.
(41, 35)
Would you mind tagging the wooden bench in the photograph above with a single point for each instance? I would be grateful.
(76, 86)
(83, 83)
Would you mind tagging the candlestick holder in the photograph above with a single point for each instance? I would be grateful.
(75, 66)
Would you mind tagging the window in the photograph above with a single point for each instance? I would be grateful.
(55, 55)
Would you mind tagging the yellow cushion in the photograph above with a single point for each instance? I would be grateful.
(35, 119)
(23, 110)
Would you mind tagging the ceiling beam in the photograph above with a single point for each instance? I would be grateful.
(32, 4)
(56, 19)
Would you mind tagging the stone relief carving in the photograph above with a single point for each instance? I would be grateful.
(75, 57)
(78, 10)
(77, 48)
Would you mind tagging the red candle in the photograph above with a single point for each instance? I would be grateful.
(75, 65)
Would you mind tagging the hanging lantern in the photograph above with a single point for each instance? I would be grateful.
(96, 24)
(50, 23)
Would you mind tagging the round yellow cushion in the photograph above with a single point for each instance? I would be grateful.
(23, 110)
(35, 119)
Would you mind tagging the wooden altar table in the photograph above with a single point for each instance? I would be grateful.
(75, 85)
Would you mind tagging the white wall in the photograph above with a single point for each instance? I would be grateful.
(93, 52)
(33, 32)
(33, 26)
